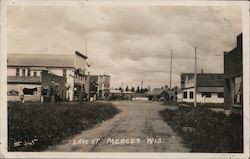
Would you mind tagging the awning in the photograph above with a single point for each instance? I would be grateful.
(24, 79)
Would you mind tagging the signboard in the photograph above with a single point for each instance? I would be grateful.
(12, 92)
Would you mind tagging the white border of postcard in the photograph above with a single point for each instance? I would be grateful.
(3, 81)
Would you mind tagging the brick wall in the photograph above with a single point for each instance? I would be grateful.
(59, 82)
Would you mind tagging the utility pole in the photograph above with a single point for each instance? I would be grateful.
(141, 84)
(195, 76)
(171, 69)
(86, 47)
(148, 85)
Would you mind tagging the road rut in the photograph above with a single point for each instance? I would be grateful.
(138, 128)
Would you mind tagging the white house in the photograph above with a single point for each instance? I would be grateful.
(72, 66)
(210, 87)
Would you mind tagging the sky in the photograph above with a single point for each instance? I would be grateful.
(130, 43)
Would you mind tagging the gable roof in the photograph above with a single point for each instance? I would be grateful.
(155, 91)
(40, 60)
(81, 55)
(211, 89)
(205, 79)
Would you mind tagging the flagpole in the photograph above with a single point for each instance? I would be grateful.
(171, 70)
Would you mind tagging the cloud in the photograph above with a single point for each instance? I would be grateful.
(131, 43)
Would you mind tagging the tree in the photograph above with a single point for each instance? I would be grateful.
(138, 89)
(166, 87)
(132, 89)
(149, 88)
(176, 88)
(145, 90)
(127, 89)
(120, 88)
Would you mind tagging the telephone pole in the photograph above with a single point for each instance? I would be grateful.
(141, 84)
(170, 69)
(86, 47)
(195, 76)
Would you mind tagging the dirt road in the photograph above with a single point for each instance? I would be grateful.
(138, 128)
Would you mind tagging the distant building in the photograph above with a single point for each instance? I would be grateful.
(93, 79)
(73, 67)
(99, 86)
(155, 94)
(116, 94)
(210, 87)
(119, 94)
(233, 70)
(165, 94)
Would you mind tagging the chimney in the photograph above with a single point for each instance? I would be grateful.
(202, 71)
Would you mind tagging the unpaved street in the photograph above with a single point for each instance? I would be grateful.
(138, 128)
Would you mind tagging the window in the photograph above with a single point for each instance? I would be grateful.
(17, 71)
(28, 72)
(35, 73)
(185, 95)
(29, 91)
(206, 94)
(191, 95)
(220, 95)
(64, 73)
(23, 72)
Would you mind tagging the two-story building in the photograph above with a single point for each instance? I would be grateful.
(99, 86)
(73, 67)
(233, 70)
(210, 87)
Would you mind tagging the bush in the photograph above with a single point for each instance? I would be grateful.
(207, 105)
(211, 131)
(33, 127)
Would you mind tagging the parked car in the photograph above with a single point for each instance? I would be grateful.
(162, 99)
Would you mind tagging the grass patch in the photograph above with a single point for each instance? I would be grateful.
(34, 127)
(207, 131)
(207, 105)
(191, 104)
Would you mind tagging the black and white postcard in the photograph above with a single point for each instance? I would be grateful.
(124, 79)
